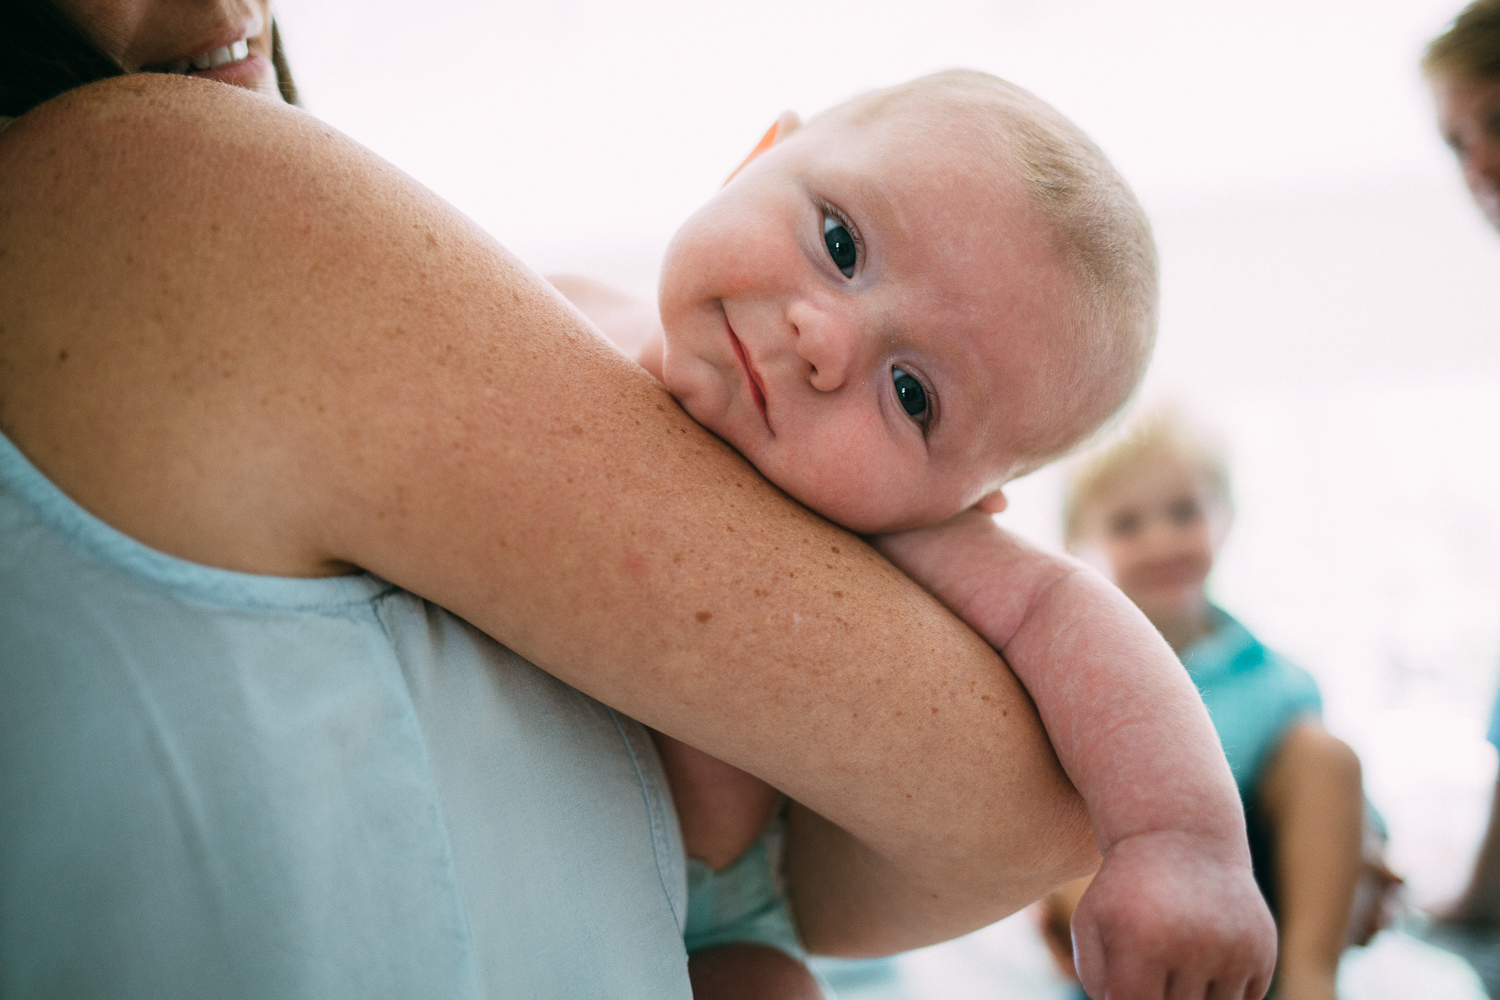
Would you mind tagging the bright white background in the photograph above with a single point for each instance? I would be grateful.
(1329, 294)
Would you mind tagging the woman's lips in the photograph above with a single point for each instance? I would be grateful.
(250, 71)
(213, 58)
(233, 63)
(757, 393)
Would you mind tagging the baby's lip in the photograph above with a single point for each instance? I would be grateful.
(757, 389)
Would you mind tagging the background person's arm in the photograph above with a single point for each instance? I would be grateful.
(1480, 902)
(243, 339)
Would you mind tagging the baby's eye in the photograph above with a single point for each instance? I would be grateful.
(840, 245)
(913, 397)
(1124, 524)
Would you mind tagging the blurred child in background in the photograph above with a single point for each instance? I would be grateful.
(1151, 512)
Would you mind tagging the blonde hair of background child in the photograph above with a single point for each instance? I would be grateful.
(1470, 47)
(1160, 432)
(1098, 226)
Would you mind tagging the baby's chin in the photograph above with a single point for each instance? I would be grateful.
(852, 510)
(691, 383)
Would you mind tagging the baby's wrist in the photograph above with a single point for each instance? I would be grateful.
(1221, 846)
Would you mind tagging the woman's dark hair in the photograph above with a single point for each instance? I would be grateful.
(283, 71)
(44, 52)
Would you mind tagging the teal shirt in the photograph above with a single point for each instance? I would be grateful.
(221, 785)
(1253, 695)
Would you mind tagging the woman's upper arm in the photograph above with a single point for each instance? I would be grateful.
(238, 336)
(627, 321)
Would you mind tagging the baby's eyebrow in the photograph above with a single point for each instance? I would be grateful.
(858, 195)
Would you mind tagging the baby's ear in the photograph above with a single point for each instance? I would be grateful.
(779, 130)
(992, 503)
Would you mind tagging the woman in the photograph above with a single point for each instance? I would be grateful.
(244, 364)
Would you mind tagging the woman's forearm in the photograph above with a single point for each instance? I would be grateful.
(851, 901)
(272, 352)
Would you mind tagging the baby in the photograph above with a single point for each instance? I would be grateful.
(892, 311)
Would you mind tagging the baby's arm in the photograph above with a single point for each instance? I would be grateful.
(629, 323)
(1174, 910)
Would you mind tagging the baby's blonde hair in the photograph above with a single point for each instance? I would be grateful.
(1160, 432)
(1470, 47)
(1099, 230)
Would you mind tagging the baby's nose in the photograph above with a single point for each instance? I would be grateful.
(827, 341)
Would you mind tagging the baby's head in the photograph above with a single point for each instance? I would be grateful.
(1151, 511)
(910, 300)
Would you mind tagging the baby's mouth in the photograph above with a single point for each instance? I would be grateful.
(757, 393)
(212, 59)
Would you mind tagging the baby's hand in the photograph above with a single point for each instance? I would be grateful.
(1166, 919)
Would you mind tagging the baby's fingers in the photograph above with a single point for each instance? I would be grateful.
(1192, 984)
(1128, 973)
(1219, 985)
(1119, 967)
(1256, 989)
(1132, 977)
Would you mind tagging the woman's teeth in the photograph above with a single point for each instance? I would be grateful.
(221, 56)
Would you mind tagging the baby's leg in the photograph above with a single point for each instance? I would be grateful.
(722, 809)
(1313, 803)
(750, 972)
(724, 812)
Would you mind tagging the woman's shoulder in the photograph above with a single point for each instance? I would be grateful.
(165, 251)
(239, 337)
(108, 132)
(144, 100)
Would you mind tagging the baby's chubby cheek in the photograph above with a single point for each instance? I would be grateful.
(691, 382)
(705, 392)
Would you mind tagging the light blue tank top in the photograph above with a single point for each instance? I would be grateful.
(221, 785)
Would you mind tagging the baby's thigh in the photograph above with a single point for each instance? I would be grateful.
(722, 809)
